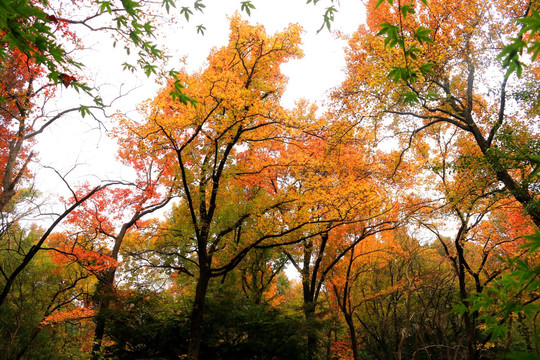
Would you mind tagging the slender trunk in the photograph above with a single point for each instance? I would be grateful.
(329, 345)
(99, 331)
(195, 339)
(308, 287)
(405, 330)
(352, 334)
(508, 337)
(309, 313)
(344, 304)
(468, 319)
(105, 292)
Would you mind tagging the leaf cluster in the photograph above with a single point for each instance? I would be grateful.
(408, 43)
(525, 41)
(514, 293)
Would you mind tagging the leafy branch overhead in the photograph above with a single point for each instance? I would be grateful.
(31, 27)
(407, 42)
(526, 41)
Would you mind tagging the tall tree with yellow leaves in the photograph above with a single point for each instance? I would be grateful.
(222, 154)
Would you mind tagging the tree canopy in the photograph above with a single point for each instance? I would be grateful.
(396, 219)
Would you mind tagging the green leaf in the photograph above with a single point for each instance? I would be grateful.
(186, 11)
(431, 95)
(134, 36)
(387, 28)
(84, 110)
(328, 17)
(534, 49)
(131, 7)
(149, 69)
(41, 43)
(247, 6)
(426, 68)
(534, 241)
(401, 73)
(395, 74)
(80, 87)
(201, 29)
(199, 6)
(459, 309)
(105, 6)
(168, 5)
(407, 9)
(412, 50)
(531, 23)
(421, 35)
(177, 94)
(510, 56)
(392, 35)
(410, 97)
(148, 28)
(476, 306)
(57, 53)
(98, 101)
(121, 21)
(129, 67)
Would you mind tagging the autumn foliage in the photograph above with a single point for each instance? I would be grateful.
(393, 222)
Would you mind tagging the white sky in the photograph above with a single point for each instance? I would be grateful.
(72, 141)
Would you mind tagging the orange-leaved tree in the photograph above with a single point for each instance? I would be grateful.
(97, 229)
(348, 186)
(424, 65)
(220, 154)
(395, 296)
(18, 96)
(25, 91)
(467, 203)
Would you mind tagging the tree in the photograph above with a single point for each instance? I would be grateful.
(349, 187)
(509, 304)
(25, 256)
(241, 329)
(101, 224)
(260, 271)
(209, 151)
(463, 191)
(342, 284)
(155, 323)
(46, 294)
(24, 93)
(453, 81)
(402, 300)
(19, 75)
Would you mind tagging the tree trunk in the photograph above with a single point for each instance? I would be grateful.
(195, 339)
(105, 292)
(352, 334)
(309, 313)
(99, 332)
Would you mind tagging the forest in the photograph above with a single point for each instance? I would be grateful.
(397, 219)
